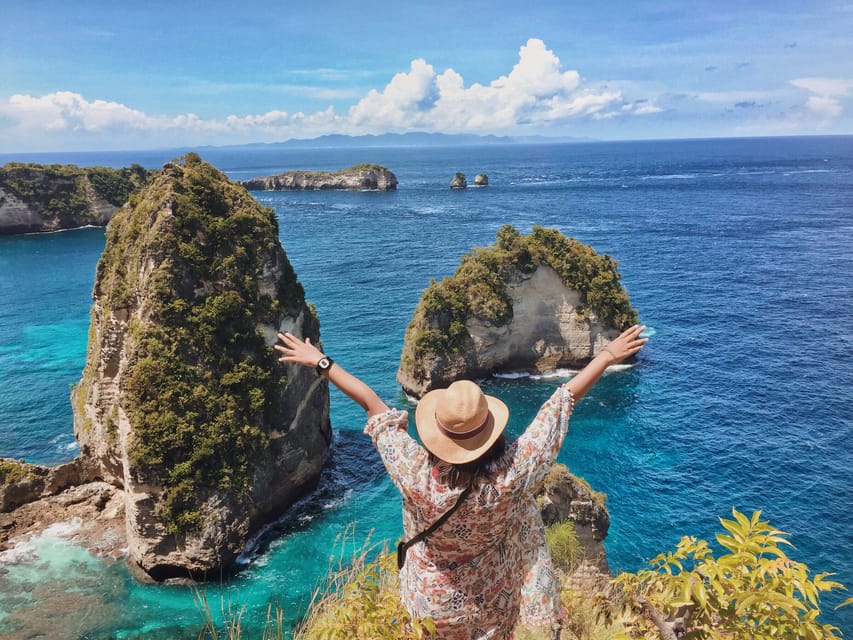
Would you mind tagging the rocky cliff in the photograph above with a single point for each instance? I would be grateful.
(182, 403)
(565, 497)
(529, 303)
(36, 197)
(358, 178)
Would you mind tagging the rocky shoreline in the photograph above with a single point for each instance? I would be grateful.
(92, 515)
(35, 497)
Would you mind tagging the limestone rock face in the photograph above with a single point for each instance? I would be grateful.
(357, 178)
(182, 403)
(481, 180)
(567, 497)
(22, 483)
(508, 309)
(459, 181)
(35, 198)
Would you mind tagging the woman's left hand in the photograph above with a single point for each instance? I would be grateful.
(296, 350)
(627, 344)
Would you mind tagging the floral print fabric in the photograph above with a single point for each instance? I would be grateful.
(486, 568)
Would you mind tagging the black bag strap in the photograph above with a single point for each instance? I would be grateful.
(403, 547)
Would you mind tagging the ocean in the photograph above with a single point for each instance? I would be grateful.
(737, 253)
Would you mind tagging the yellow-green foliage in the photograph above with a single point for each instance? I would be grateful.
(60, 189)
(201, 384)
(479, 289)
(13, 471)
(563, 542)
(751, 590)
(362, 602)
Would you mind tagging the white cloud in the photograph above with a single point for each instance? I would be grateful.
(826, 101)
(825, 86)
(536, 92)
(732, 97)
(65, 110)
(828, 108)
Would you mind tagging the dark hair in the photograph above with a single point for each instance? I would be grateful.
(474, 472)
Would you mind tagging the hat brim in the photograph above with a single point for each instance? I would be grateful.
(449, 449)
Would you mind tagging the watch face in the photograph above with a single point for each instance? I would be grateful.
(323, 364)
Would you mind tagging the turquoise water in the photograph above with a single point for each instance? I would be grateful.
(736, 252)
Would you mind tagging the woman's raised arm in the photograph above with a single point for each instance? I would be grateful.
(626, 345)
(306, 354)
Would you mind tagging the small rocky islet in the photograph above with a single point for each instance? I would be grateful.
(360, 177)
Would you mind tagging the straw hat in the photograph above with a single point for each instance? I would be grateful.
(460, 423)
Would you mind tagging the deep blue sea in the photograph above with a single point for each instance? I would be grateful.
(737, 253)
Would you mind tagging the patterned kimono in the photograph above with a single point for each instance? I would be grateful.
(487, 568)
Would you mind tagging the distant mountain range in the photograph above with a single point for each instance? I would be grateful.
(413, 139)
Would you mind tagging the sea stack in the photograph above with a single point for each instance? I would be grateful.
(459, 181)
(527, 304)
(182, 403)
(481, 180)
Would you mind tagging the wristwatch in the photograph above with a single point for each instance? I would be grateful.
(324, 364)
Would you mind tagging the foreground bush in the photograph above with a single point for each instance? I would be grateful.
(752, 590)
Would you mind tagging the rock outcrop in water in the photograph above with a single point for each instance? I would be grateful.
(458, 181)
(481, 180)
(528, 304)
(182, 403)
(360, 177)
(36, 197)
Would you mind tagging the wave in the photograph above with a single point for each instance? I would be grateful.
(672, 176)
(27, 548)
(553, 373)
(43, 233)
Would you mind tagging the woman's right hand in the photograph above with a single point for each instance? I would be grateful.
(627, 344)
(295, 350)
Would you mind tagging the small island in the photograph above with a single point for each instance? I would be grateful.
(38, 198)
(527, 304)
(360, 177)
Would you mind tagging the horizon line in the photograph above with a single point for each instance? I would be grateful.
(500, 140)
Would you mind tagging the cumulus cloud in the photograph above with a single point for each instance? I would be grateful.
(537, 91)
(828, 92)
(66, 110)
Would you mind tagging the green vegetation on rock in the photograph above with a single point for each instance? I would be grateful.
(63, 189)
(13, 471)
(479, 288)
(363, 166)
(201, 383)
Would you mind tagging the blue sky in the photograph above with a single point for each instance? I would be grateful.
(93, 75)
